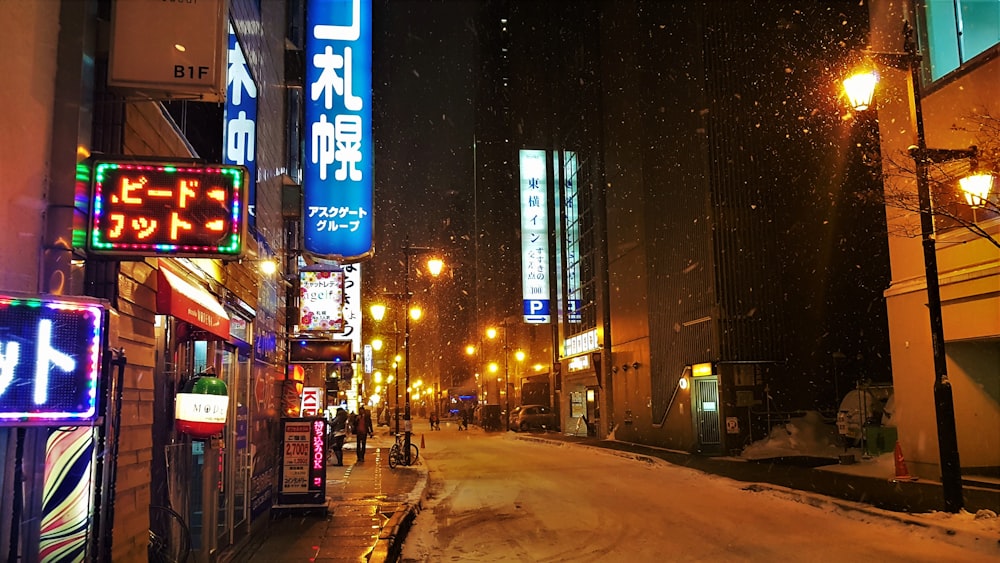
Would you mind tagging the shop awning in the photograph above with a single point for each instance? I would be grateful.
(190, 303)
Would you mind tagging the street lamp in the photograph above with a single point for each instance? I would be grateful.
(434, 266)
(860, 90)
(491, 333)
(519, 355)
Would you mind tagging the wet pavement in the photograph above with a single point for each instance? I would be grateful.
(370, 507)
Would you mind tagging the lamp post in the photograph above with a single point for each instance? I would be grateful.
(492, 333)
(860, 89)
(434, 266)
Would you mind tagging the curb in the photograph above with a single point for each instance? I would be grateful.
(389, 546)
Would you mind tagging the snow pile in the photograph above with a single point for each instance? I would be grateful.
(807, 436)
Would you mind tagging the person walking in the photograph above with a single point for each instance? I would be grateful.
(362, 430)
(338, 430)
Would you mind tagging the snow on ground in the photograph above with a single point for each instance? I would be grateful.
(811, 436)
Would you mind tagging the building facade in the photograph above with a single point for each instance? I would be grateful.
(97, 491)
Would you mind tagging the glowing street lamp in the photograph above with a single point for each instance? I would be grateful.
(860, 90)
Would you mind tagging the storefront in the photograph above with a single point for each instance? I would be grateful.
(206, 480)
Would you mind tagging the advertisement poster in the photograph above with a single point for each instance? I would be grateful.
(295, 460)
(302, 483)
(321, 301)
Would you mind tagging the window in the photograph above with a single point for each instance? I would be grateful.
(956, 31)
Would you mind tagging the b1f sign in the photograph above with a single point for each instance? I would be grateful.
(50, 360)
(169, 48)
(338, 166)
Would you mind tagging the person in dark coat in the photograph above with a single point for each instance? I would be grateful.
(362, 430)
(338, 432)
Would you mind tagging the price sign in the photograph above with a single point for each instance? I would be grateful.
(155, 209)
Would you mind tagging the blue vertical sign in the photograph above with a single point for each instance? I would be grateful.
(338, 162)
(240, 121)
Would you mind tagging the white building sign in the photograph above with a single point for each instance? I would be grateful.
(534, 237)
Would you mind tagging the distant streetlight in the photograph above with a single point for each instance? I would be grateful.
(491, 333)
(860, 90)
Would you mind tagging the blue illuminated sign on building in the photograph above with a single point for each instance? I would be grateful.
(240, 143)
(338, 166)
(50, 360)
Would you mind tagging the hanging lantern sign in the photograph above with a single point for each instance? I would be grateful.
(200, 409)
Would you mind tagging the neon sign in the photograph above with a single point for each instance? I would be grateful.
(50, 359)
(143, 208)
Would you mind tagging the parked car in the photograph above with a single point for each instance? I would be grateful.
(527, 417)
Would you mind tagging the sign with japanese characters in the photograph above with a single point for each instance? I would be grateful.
(295, 458)
(50, 360)
(303, 462)
(338, 166)
(352, 305)
(240, 120)
(321, 301)
(157, 209)
(571, 212)
(169, 48)
(534, 237)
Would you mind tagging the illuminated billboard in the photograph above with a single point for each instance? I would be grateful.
(534, 236)
(50, 360)
(321, 301)
(240, 120)
(161, 209)
(338, 165)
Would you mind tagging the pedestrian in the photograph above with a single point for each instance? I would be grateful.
(338, 428)
(362, 430)
(465, 420)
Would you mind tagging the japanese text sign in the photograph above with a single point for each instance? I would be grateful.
(534, 236)
(321, 301)
(240, 143)
(50, 360)
(338, 167)
(154, 209)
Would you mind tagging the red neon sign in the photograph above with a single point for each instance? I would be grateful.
(144, 208)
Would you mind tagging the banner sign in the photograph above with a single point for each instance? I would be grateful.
(338, 166)
(50, 360)
(303, 463)
(321, 301)
(240, 121)
(534, 237)
(158, 209)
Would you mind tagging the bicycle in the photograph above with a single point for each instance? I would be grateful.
(169, 536)
(396, 456)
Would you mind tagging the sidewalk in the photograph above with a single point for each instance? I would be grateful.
(370, 508)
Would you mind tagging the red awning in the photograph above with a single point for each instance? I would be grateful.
(190, 303)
